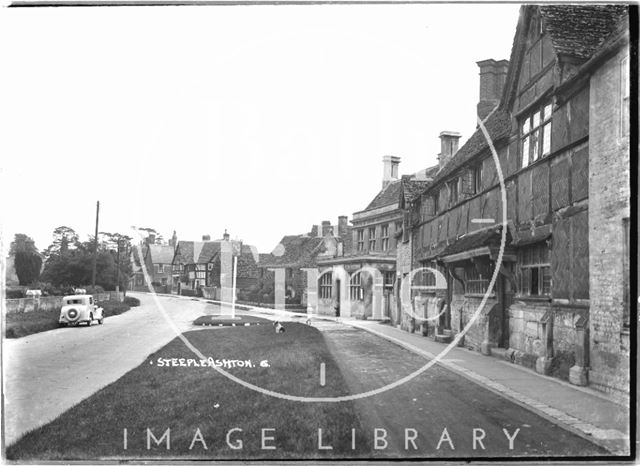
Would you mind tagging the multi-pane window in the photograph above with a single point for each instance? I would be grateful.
(326, 285)
(384, 235)
(356, 293)
(477, 276)
(535, 270)
(360, 240)
(372, 238)
(535, 134)
(159, 268)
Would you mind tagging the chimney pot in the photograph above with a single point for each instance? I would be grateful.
(225, 236)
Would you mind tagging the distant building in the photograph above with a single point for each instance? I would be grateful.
(361, 282)
(296, 258)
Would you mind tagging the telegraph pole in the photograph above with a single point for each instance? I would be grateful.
(95, 247)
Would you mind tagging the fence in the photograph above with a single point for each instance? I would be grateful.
(51, 303)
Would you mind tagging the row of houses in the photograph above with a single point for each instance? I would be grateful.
(516, 242)
(520, 237)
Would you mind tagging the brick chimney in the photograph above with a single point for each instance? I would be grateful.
(225, 236)
(492, 78)
(448, 147)
(390, 169)
(206, 237)
(151, 239)
(326, 227)
(314, 231)
(343, 226)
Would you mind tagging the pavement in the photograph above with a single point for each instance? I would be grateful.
(582, 411)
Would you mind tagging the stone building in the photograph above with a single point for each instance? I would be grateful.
(536, 110)
(361, 282)
(609, 213)
(294, 263)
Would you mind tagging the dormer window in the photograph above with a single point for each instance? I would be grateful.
(535, 135)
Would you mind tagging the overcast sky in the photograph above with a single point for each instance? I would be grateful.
(262, 120)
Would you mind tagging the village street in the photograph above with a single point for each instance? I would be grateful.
(48, 373)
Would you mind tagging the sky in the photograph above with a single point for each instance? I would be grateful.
(261, 120)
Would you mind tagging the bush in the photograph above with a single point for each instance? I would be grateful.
(93, 289)
(15, 294)
(131, 301)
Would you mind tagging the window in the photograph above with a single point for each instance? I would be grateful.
(477, 179)
(326, 285)
(535, 270)
(536, 135)
(626, 251)
(389, 278)
(210, 266)
(159, 268)
(372, 238)
(477, 276)
(360, 237)
(290, 271)
(453, 191)
(385, 237)
(436, 206)
(356, 293)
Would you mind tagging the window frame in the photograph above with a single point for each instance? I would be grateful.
(360, 239)
(325, 287)
(476, 282)
(542, 268)
(384, 236)
(372, 238)
(356, 292)
(535, 127)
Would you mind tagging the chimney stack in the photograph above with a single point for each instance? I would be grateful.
(492, 78)
(225, 236)
(390, 171)
(326, 227)
(448, 147)
(314, 231)
(343, 226)
(206, 237)
(174, 240)
(151, 239)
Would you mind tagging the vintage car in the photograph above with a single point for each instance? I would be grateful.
(79, 308)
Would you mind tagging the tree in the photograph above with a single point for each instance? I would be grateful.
(64, 238)
(22, 243)
(27, 266)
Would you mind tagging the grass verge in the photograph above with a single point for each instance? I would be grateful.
(26, 323)
(158, 396)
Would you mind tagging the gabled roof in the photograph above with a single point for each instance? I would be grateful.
(386, 196)
(498, 125)
(160, 254)
(578, 30)
(294, 250)
(196, 252)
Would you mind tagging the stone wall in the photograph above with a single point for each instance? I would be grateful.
(609, 198)
(462, 310)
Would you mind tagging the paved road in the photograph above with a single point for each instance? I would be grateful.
(47, 373)
(436, 400)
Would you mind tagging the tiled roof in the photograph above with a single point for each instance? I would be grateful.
(411, 189)
(472, 241)
(498, 125)
(196, 252)
(298, 250)
(161, 254)
(578, 30)
(386, 196)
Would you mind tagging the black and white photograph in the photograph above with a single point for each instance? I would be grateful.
(315, 232)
